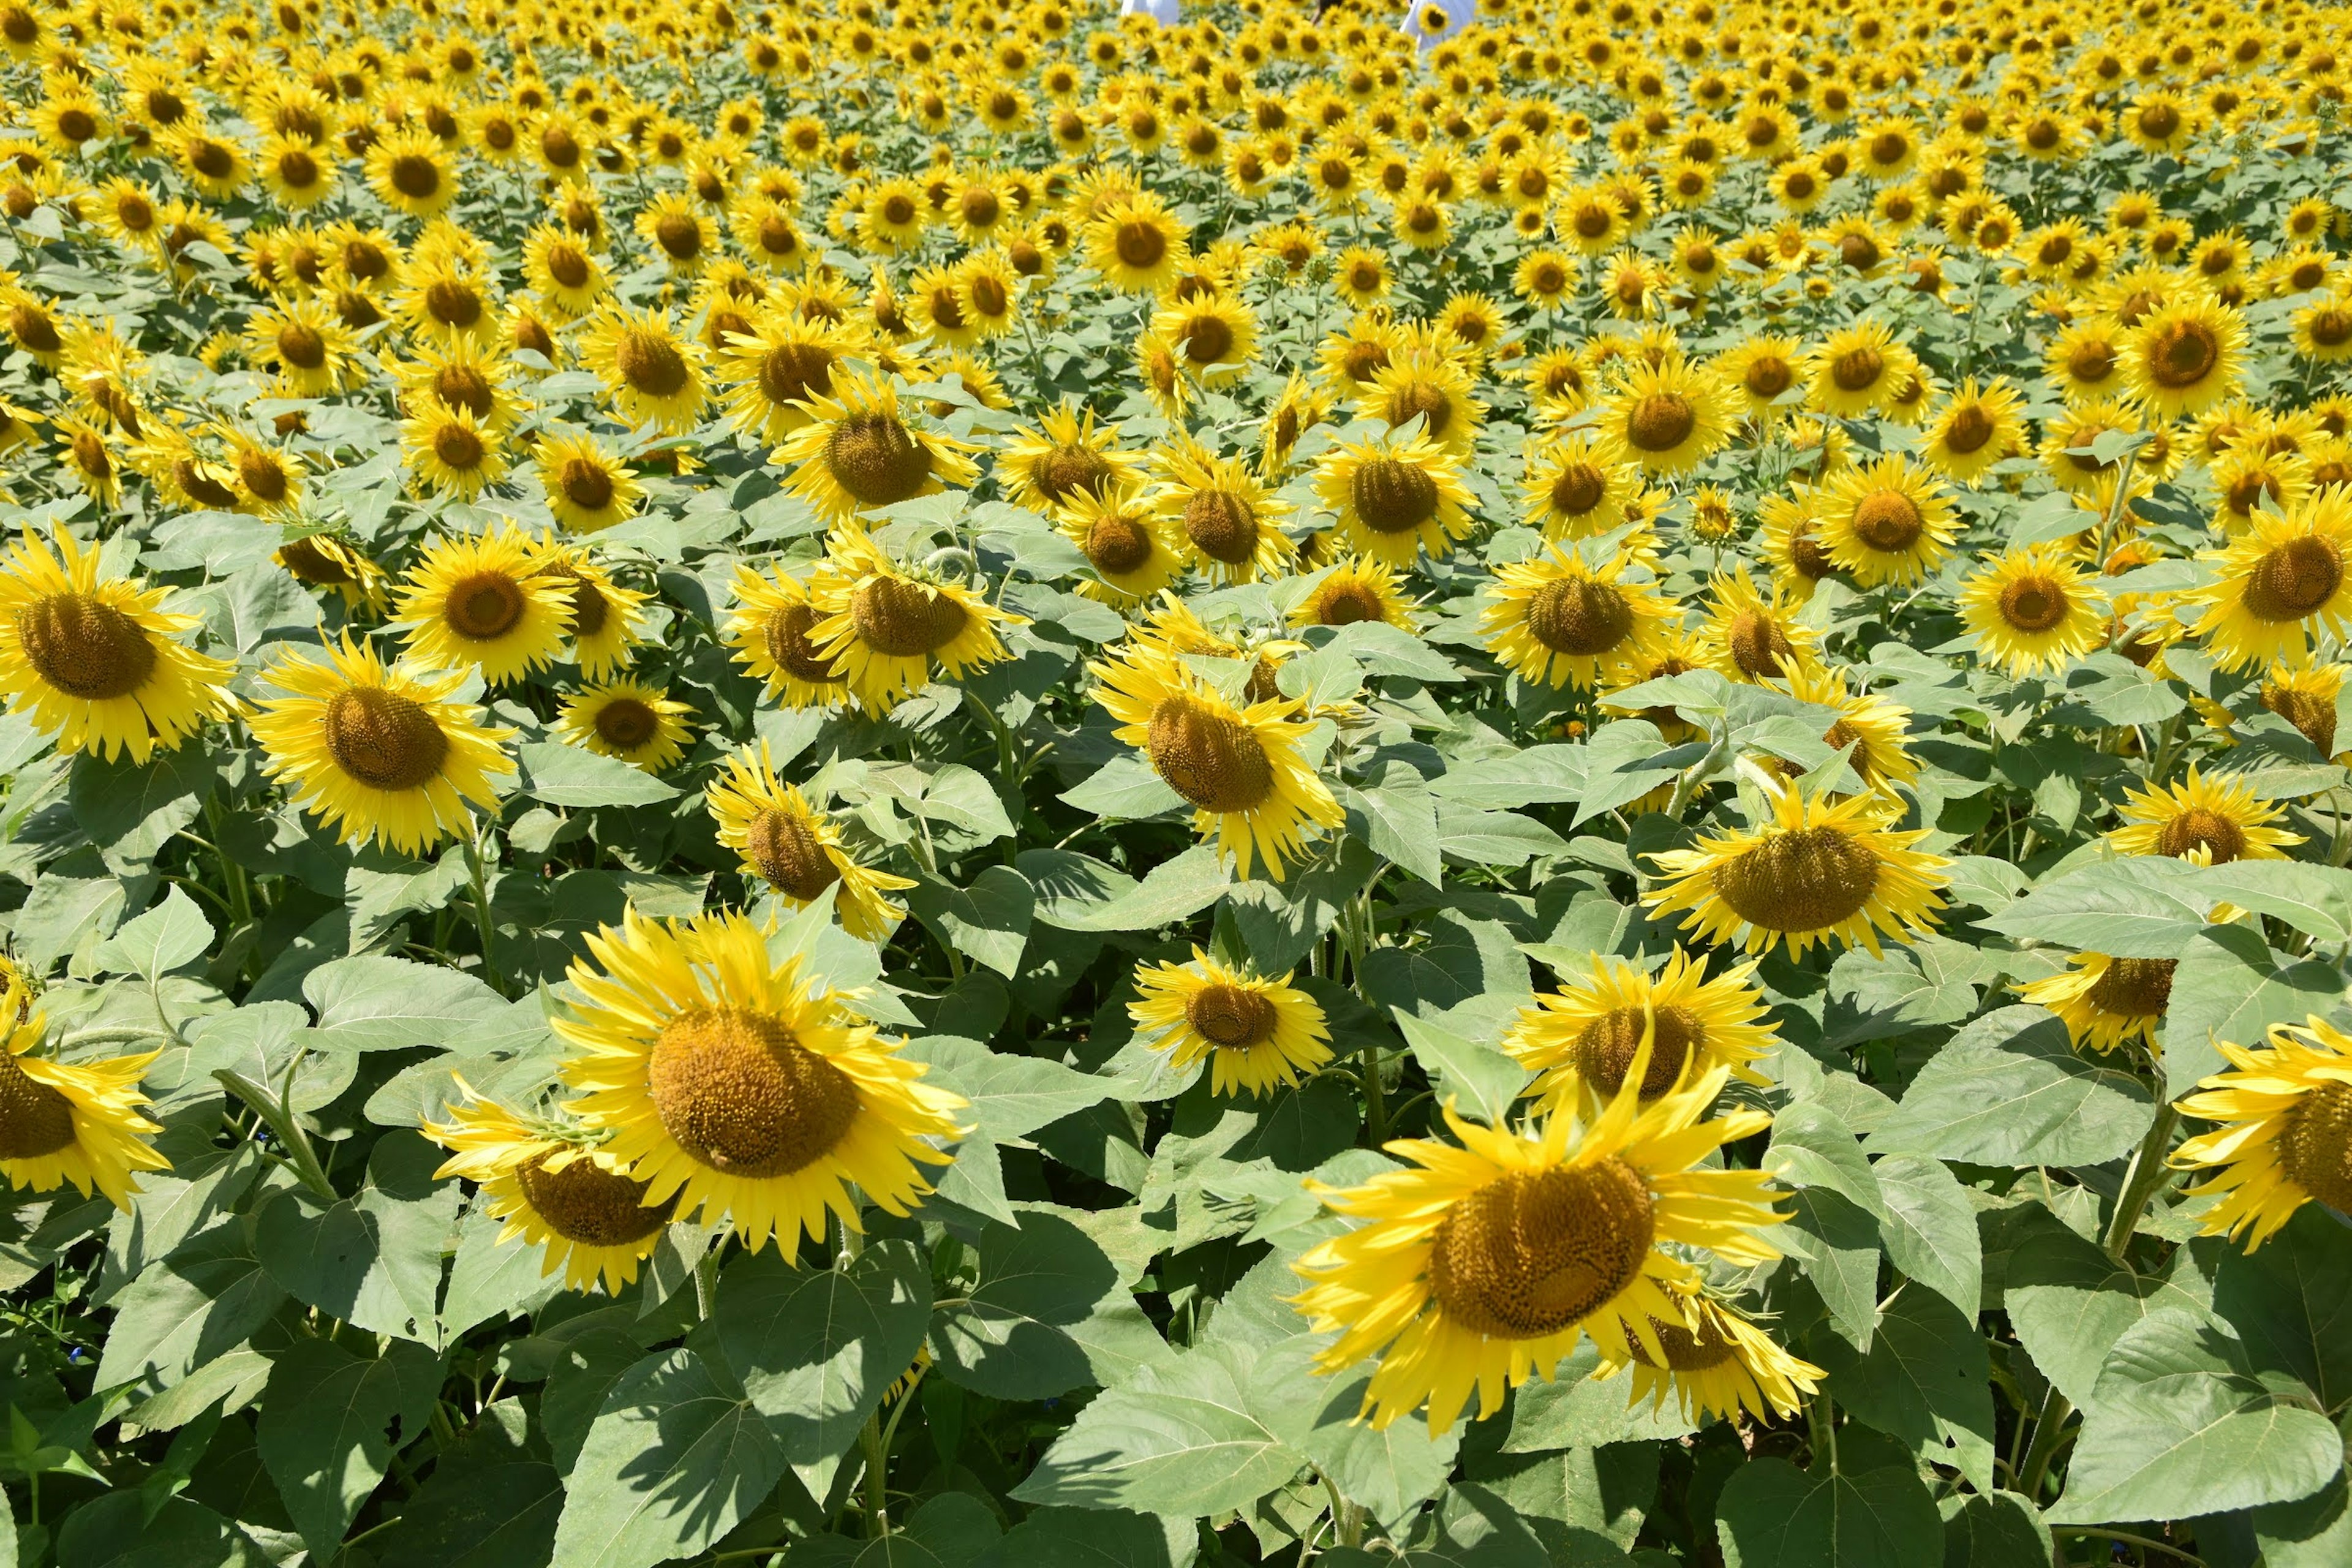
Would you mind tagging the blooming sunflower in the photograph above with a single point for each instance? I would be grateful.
(1480, 1266)
(604, 616)
(311, 349)
(737, 1084)
(1573, 491)
(1975, 428)
(556, 1191)
(1421, 384)
(774, 372)
(483, 602)
(410, 172)
(1714, 1361)
(859, 451)
(1138, 244)
(884, 627)
(1870, 724)
(1257, 1035)
(63, 1121)
(2184, 357)
(1857, 369)
(1394, 496)
(796, 849)
(1353, 589)
(2105, 1001)
(1749, 637)
(1885, 521)
(588, 488)
(1120, 534)
(1557, 619)
(627, 719)
(1218, 516)
(1580, 1042)
(93, 661)
(2213, 822)
(2278, 585)
(653, 373)
(2285, 1113)
(769, 630)
(1668, 418)
(453, 453)
(325, 560)
(1064, 455)
(1239, 768)
(2034, 609)
(380, 753)
(1820, 871)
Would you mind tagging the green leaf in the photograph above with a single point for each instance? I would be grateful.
(1085, 1537)
(197, 1305)
(115, 1531)
(174, 934)
(380, 888)
(2291, 1302)
(489, 1278)
(1125, 789)
(2139, 906)
(63, 917)
(1484, 1077)
(1391, 1471)
(1834, 1241)
(1495, 838)
(1812, 1147)
(816, 1349)
(1049, 1314)
(2009, 1089)
(2232, 986)
(574, 777)
(1621, 767)
(1926, 1380)
(1397, 818)
(2069, 1302)
(2314, 1531)
(478, 1516)
(1993, 1529)
(132, 810)
(1930, 1228)
(987, 921)
(2180, 1425)
(1177, 1438)
(1773, 1515)
(675, 1460)
(1173, 890)
(2315, 900)
(375, 1004)
(1460, 959)
(330, 1423)
(1571, 1410)
(374, 1260)
(963, 809)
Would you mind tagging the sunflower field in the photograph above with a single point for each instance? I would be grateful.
(967, 784)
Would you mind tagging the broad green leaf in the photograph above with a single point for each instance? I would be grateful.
(2010, 1089)
(575, 777)
(1930, 1228)
(2314, 1531)
(191, 1309)
(2315, 900)
(130, 810)
(1049, 1314)
(1773, 1515)
(174, 932)
(987, 921)
(374, 1261)
(1458, 960)
(63, 918)
(1397, 819)
(1124, 789)
(1571, 1410)
(490, 1279)
(2232, 986)
(115, 1531)
(376, 1003)
(330, 1424)
(2290, 1301)
(1834, 1242)
(1993, 1529)
(1484, 1077)
(1172, 890)
(816, 1349)
(1812, 1147)
(1622, 763)
(1495, 838)
(497, 1515)
(2141, 906)
(1605, 1491)
(1085, 1537)
(2068, 1301)
(1926, 1380)
(1391, 1471)
(380, 888)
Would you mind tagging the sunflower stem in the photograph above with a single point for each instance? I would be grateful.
(706, 1284)
(482, 916)
(2147, 1173)
(2048, 1427)
(284, 1125)
(877, 1490)
(1820, 1414)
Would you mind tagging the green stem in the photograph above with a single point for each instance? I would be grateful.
(2147, 1173)
(482, 915)
(283, 1124)
(1821, 1416)
(706, 1281)
(878, 1490)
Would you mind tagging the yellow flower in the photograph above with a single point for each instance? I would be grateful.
(2105, 1001)
(484, 603)
(1573, 491)
(2279, 585)
(2034, 609)
(679, 232)
(650, 371)
(1121, 536)
(410, 173)
(1714, 1361)
(1421, 384)
(2283, 1113)
(859, 451)
(587, 487)
(77, 1122)
(1218, 516)
(1557, 619)
(2212, 822)
(1064, 455)
(562, 270)
(1354, 589)
(1138, 244)
(1887, 522)
(1394, 496)
(769, 630)
(797, 851)
(1870, 724)
(1857, 370)
(1749, 637)
(324, 561)
(779, 368)
(1257, 1035)
(1668, 418)
(2184, 358)
(1580, 1042)
(627, 719)
(885, 628)
(1975, 428)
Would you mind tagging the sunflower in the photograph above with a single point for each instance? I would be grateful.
(779, 367)
(1870, 724)
(297, 174)
(1065, 454)
(410, 172)
(627, 719)
(2279, 584)
(1714, 1361)
(886, 627)
(1394, 496)
(2185, 357)
(1760, 371)
(1573, 491)
(460, 375)
(588, 488)
(1257, 1035)
(1352, 590)
(1239, 768)
(1218, 516)
(679, 232)
(653, 373)
(2084, 359)
(2034, 609)
(797, 851)
(1558, 619)
(77, 1122)
(1580, 1042)
(1976, 427)
(769, 630)
(1748, 637)
(1480, 1266)
(2104, 1001)
(553, 1190)
(1668, 418)
(313, 350)
(216, 166)
(859, 451)
(1857, 369)
(735, 1085)
(483, 602)
(563, 270)
(2212, 823)
(451, 453)
(1214, 336)
(1138, 244)
(380, 753)
(1421, 384)
(1820, 871)
(93, 661)
(1887, 522)
(2284, 1111)
(2305, 699)
(325, 560)
(605, 616)
(1121, 536)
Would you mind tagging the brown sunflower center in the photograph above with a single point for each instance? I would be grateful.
(1070, 468)
(1207, 340)
(383, 740)
(2034, 603)
(1769, 375)
(1802, 879)
(1710, 1347)
(788, 644)
(1604, 1051)
(1345, 603)
(876, 458)
(1232, 1018)
(2330, 326)
(2315, 1146)
(2294, 579)
(1857, 370)
(628, 723)
(1888, 521)
(679, 235)
(1393, 496)
(35, 330)
(2200, 827)
(651, 363)
(465, 386)
(84, 647)
(311, 563)
(904, 619)
(568, 266)
(1140, 244)
(587, 483)
(453, 303)
(35, 1119)
(1221, 526)
(1118, 544)
(2133, 987)
(740, 1095)
(1661, 422)
(586, 1204)
(1578, 615)
(1578, 489)
(790, 372)
(212, 160)
(788, 855)
(1531, 1253)
(301, 346)
(1758, 645)
(416, 176)
(2182, 353)
(2309, 711)
(262, 475)
(1211, 759)
(1969, 429)
(1420, 399)
(484, 606)
(2159, 120)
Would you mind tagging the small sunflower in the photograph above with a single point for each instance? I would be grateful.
(483, 602)
(1257, 1035)
(735, 1085)
(2185, 357)
(678, 232)
(410, 172)
(769, 630)
(1138, 244)
(1064, 455)
(1857, 369)
(1870, 724)
(779, 368)
(1580, 1042)
(1760, 371)
(2284, 1111)
(453, 453)
(1573, 491)
(1749, 637)
(1711, 1359)
(1885, 521)
(885, 628)
(94, 661)
(1818, 872)
(1214, 336)
(1121, 536)
(1421, 384)
(1668, 418)
(62, 1122)
(2104, 1001)
(2280, 584)
(312, 350)
(380, 753)
(1355, 589)
(1558, 619)
(561, 268)
(2034, 609)
(859, 451)
(1394, 496)
(797, 851)
(1219, 516)
(1976, 427)
(588, 488)
(2213, 822)
(325, 560)
(627, 719)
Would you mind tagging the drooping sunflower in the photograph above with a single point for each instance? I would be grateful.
(1219, 516)
(2184, 357)
(1820, 871)
(2283, 582)
(2306, 698)
(380, 753)
(2034, 609)
(796, 849)
(859, 451)
(325, 561)
(2104, 1001)
(1121, 534)
(1752, 638)
(2284, 1111)
(96, 661)
(1885, 521)
(1239, 768)
(483, 602)
(69, 1121)
(1064, 455)
(1481, 1265)
(769, 630)
(1557, 619)
(1668, 418)
(886, 627)
(639, 724)
(1580, 1042)
(1712, 1361)
(1976, 427)
(1352, 590)
(774, 372)
(650, 370)
(588, 488)
(743, 1087)
(2210, 821)
(554, 1191)
(1394, 496)
(1257, 1034)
